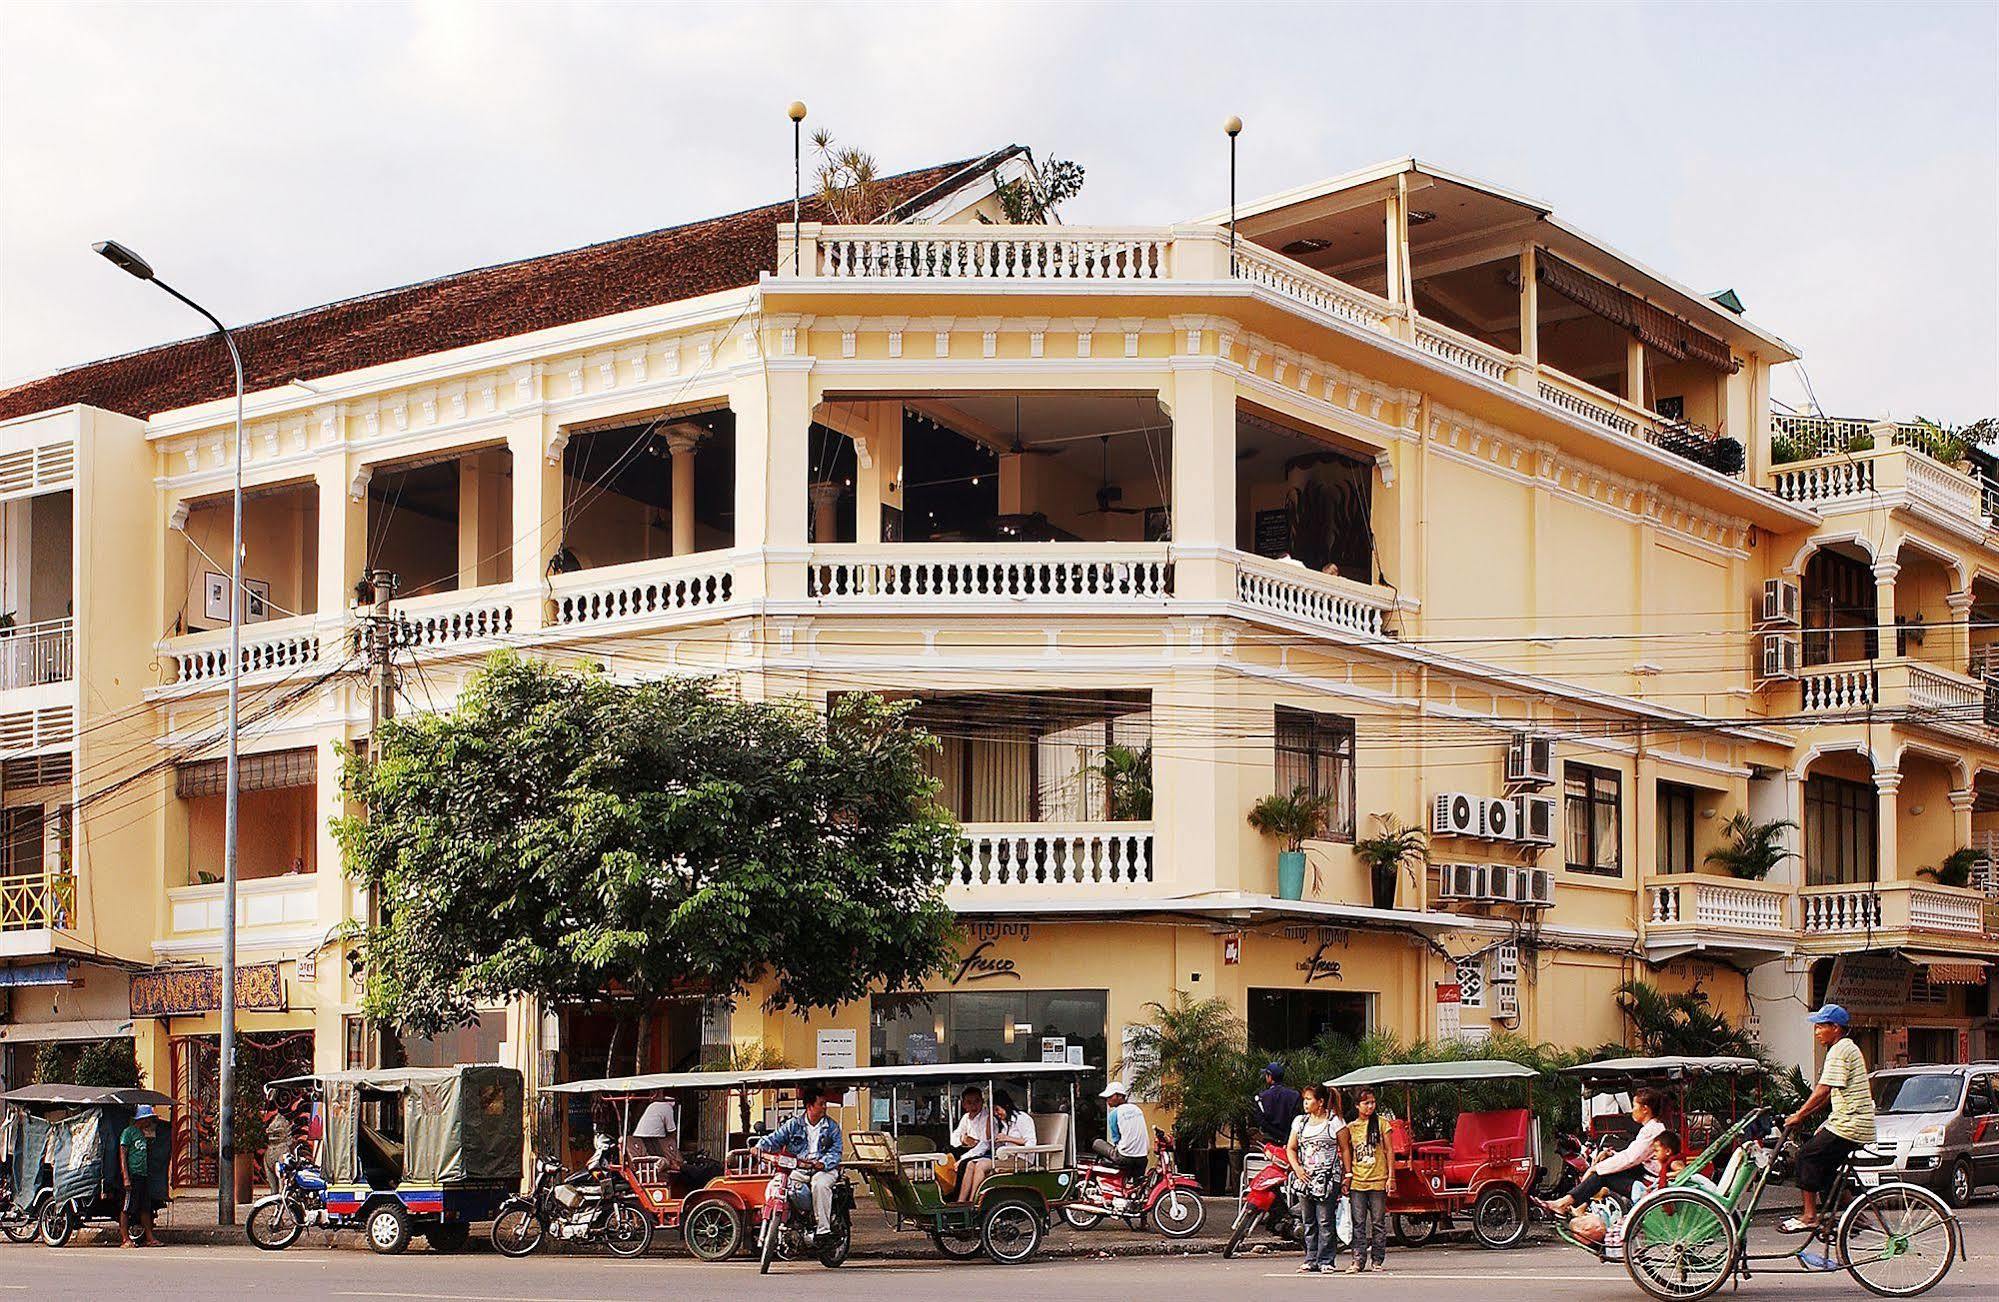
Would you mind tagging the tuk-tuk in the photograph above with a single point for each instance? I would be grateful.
(64, 1157)
(897, 1163)
(1482, 1170)
(417, 1150)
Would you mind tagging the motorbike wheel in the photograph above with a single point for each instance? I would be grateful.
(1179, 1214)
(1499, 1217)
(1244, 1223)
(275, 1224)
(1079, 1219)
(767, 1246)
(388, 1228)
(57, 1224)
(1415, 1231)
(448, 1236)
(627, 1230)
(834, 1248)
(517, 1231)
(1012, 1232)
(20, 1228)
(958, 1245)
(713, 1231)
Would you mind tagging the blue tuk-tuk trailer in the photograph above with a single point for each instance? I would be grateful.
(63, 1157)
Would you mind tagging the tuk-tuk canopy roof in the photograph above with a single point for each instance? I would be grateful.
(389, 1078)
(1672, 1067)
(84, 1096)
(779, 1077)
(1435, 1073)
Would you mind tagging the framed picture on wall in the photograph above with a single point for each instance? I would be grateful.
(256, 601)
(215, 596)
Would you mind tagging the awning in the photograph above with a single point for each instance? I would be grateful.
(82, 1028)
(1654, 325)
(270, 771)
(1950, 969)
(59, 973)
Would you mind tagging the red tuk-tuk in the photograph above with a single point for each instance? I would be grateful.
(1480, 1172)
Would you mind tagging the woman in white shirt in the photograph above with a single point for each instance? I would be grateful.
(1012, 1129)
(1622, 1168)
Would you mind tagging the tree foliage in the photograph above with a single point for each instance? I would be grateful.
(562, 835)
(106, 1064)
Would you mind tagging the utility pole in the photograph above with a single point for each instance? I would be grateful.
(378, 645)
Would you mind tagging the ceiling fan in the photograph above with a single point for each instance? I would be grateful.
(1020, 449)
(1109, 494)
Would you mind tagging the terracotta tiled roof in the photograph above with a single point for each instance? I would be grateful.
(454, 311)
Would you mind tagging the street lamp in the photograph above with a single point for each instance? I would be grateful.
(225, 1184)
(797, 115)
(1234, 128)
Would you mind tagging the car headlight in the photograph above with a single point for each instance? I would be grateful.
(1927, 1140)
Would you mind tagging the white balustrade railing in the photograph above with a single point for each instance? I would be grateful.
(1961, 699)
(1834, 912)
(1932, 909)
(204, 657)
(1315, 289)
(37, 654)
(1825, 483)
(1461, 351)
(1818, 436)
(992, 253)
(291, 900)
(644, 590)
(1292, 590)
(1053, 856)
(1706, 902)
(1947, 489)
(1836, 689)
(1590, 409)
(457, 620)
(1019, 572)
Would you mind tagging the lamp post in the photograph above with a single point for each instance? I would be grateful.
(1234, 127)
(797, 115)
(225, 1183)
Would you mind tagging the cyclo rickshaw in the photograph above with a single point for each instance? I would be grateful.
(64, 1157)
(1007, 1223)
(405, 1152)
(1481, 1172)
(1609, 1084)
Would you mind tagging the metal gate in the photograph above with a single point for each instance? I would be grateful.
(197, 1066)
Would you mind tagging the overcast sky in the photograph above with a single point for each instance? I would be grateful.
(1838, 165)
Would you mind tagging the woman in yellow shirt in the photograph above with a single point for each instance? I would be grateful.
(1364, 1151)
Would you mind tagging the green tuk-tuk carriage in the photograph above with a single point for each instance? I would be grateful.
(64, 1157)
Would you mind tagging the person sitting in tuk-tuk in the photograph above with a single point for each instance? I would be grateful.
(1620, 1169)
(813, 1138)
(1013, 1129)
(972, 1138)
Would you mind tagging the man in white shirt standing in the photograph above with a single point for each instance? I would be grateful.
(1130, 1142)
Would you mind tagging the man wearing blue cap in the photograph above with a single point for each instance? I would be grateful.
(1277, 1106)
(1843, 1083)
(136, 1156)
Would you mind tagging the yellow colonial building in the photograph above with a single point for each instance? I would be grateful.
(1406, 491)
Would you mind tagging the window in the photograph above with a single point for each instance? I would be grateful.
(1595, 814)
(1315, 751)
(1840, 843)
(1675, 833)
(1286, 1021)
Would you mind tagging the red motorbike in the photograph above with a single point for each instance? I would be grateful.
(1269, 1196)
(1171, 1201)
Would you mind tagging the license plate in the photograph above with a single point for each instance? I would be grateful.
(1869, 1178)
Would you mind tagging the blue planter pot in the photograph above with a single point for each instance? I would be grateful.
(1290, 874)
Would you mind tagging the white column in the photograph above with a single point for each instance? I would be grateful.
(1884, 607)
(1959, 634)
(1887, 783)
(681, 440)
(825, 511)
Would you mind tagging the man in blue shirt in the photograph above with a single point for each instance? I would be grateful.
(814, 1139)
(1276, 1106)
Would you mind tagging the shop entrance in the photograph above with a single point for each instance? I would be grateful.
(1284, 1021)
(197, 1068)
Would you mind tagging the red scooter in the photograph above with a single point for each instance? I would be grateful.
(1269, 1196)
(1170, 1199)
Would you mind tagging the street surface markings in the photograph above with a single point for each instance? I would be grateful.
(1410, 1274)
(469, 1297)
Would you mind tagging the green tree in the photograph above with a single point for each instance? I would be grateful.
(1192, 1056)
(561, 835)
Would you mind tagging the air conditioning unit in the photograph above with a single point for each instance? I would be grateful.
(1534, 816)
(1777, 656)
(1461, 881)
(1501, 881)
(1454, 813)
(1534, 888)
(1498, 819)
(1530, 758)
(1780, 602)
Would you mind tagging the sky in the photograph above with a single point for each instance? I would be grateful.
(1837, 165)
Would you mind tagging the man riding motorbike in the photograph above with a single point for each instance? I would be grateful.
(814, 1139)
(1130, 1142)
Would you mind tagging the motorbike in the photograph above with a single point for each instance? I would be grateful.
(279, 1217)
(20, 1221)
(587, 1206)
(788, 1227)
(1269, 1196)
(1170, 1199)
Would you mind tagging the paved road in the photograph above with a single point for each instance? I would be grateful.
(228, 1273)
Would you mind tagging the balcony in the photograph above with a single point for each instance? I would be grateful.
(270, 650)
(1693, 911)
(1920, 692)
(644, 594)
(272, 913)
(999, 862)
(32, 907)
(1886, 914)
(1298, 595)
(38, 654)
(1887, 476)
(901, 576)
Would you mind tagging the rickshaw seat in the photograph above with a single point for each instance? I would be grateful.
(1401, 1140)
(381, 1159)
(1485, 1137)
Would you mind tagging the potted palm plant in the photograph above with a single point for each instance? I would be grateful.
(1293, 820)
(1749, 849)
(1955, 870)
(1395, 848)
